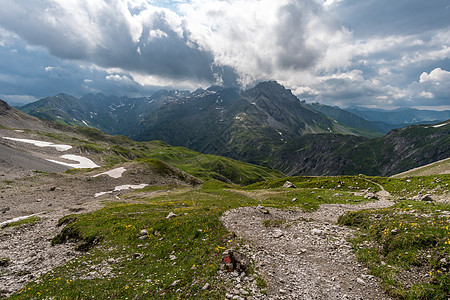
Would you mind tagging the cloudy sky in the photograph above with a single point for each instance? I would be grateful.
(377, 53)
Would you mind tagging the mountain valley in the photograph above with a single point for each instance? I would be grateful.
(265, 125)
(148, 220)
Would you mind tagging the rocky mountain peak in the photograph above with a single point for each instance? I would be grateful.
(273, 91)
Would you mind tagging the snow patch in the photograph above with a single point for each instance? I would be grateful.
(121, 188)
(115, 173)
(440, 125)
(83, 162)
(41, 143)
(16, 220)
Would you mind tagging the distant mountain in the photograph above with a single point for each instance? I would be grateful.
(398, 151)
(353, 123)
(402, 116)
(17, 157)
(242, 125)
(265, 125)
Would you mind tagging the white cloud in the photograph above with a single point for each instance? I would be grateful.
(268, 39)
(436, 76)
(427, 95)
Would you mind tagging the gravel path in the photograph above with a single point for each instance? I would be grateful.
(307, 257)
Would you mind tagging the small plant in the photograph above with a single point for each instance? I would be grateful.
(274, 223)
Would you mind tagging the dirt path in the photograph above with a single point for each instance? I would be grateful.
(305, 255)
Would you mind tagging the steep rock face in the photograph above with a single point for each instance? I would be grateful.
(414, 146)
(4, 107)
(398, 151)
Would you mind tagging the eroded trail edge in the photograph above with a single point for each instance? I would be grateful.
(305, 255)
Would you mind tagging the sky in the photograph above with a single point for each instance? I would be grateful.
(372, 53)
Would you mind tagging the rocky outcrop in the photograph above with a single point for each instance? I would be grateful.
(4, 107)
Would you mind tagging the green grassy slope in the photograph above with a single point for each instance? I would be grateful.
(408, 235)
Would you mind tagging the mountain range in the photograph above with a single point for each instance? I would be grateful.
(265, 125)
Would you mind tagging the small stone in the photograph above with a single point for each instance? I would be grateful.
(243, 292)
(144, 232)
(277, 234)
(171, 215)
(282, 291)
(316, 231)
(360, 281)
(4, 262)
(172, 257)
(371, 196)
(206, 286)
(175, 283)
(228, 296)
(295, 199)
(137, 255)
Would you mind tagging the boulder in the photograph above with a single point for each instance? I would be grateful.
(233, 260)
(171, 215)
(427, 198)
(289, 185)
(371, 196)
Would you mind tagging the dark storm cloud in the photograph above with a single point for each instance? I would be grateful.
(106, 34)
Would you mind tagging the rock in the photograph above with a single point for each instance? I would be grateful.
(316, 231)
(172, 257)
(137, 255)
(206, 286)
(295, 199)
(263, 210)
(144, 232)
(233, 260)
(278, 234)
(175, 283)
(427, 198)
(111, 261)
(371, 196)
(229, 296)
(289, 185)
(4, 262)
(360, 281)
(171, 215)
